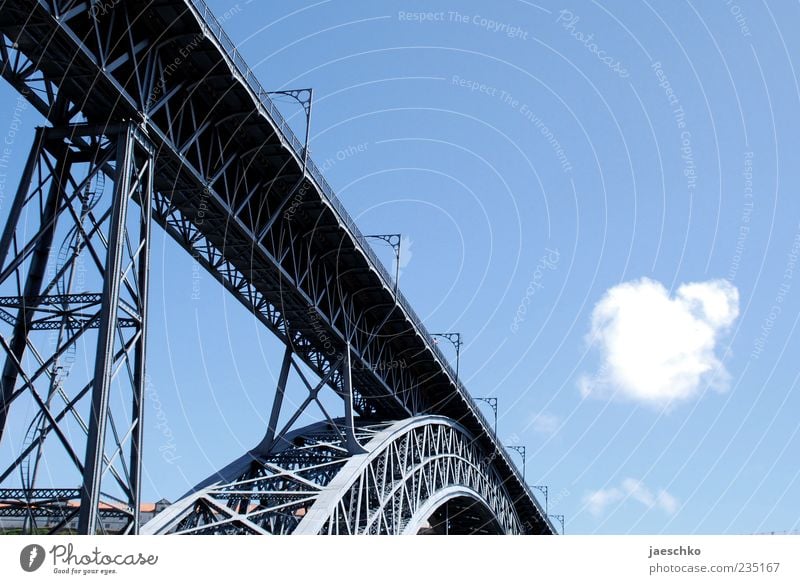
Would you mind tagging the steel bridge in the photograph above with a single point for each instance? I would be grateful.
(154, 117)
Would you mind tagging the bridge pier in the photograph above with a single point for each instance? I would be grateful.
(75, 263)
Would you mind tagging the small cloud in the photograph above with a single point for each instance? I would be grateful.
(634, 490)
(667, 502)
(597, 501)
(545, 423)
(638, 492)
(658, 349)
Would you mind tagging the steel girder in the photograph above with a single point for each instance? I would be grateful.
(232, 188)
(411, 470)
(53, 507)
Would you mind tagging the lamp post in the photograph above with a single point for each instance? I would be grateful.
(543, 489)
(492, 401)
(560, 519)
(394, 240)
(305, 98)
(455, 339)
(522, 452)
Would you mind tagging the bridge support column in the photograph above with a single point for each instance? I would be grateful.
(280, 391)
(74, 258)
(274, 437)
(353, 447)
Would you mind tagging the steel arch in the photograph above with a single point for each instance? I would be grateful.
(423, 517)
(411, 468)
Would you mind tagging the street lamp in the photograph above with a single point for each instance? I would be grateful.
(305, 98)
(394, 240)
(492, 401)
(543, 489)
(455, 339)
(522, 452)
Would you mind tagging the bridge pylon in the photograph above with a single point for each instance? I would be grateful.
(74, 261)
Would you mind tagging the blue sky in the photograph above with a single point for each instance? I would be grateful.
(601, 197)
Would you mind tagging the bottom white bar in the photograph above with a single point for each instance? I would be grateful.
(634, 559)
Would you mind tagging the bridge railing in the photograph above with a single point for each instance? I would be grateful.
(214, 26)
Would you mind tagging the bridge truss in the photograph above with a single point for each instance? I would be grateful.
(410, 470)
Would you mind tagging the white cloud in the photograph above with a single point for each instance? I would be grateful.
(630, 490)
(597, 501)
(658, 349)
(545, 423)
(638, 492)
(667, 502)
